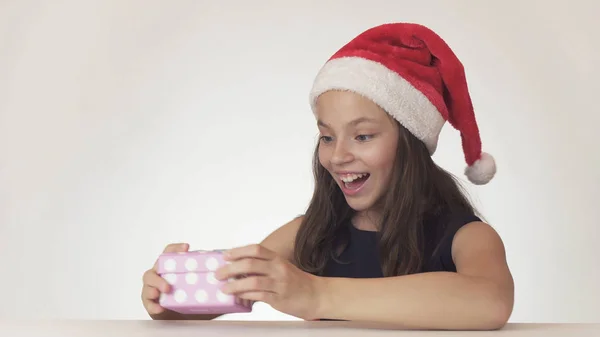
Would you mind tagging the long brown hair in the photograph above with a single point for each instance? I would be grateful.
(419, 191)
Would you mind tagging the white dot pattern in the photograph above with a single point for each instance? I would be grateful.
(212, 264)
(201, 296)
(191, 278)
(191, 264)
(180, 296)
(221, 297)
(210, 278)
(170, 265)
(171, 278)
(194, 287)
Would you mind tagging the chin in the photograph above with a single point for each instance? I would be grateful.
(359, 205)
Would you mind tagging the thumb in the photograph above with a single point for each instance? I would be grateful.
(176, 248)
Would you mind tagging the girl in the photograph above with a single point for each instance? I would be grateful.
(388, 236)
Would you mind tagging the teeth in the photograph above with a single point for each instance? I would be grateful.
(351, 177)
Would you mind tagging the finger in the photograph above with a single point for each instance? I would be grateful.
(150, 293)
(249, 303)
(255, 251)
(243, 267)
(153, 308)
(249, 284)
(151, 278)
(258, 296)
(149, 297)
(176, 247)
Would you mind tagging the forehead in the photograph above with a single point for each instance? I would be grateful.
(348, 108)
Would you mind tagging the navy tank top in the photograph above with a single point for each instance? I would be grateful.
(360, 257)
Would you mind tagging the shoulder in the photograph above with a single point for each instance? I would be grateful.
(281, 240)
(446, 227)
(478, 252)
(472, 246)
(474, 233)
(478, 248)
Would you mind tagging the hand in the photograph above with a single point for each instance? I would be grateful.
(154, 284)
(268, 278)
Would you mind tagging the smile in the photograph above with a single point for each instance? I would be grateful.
(352, 183)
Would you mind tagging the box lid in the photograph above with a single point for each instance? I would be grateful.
(194, 261)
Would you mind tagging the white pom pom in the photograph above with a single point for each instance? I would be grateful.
(482, 171)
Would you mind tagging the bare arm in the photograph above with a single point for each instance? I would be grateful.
(281, 241)
(479, 296)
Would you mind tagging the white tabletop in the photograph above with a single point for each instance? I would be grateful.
(148, 328)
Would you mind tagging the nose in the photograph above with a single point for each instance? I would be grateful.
(341, 154)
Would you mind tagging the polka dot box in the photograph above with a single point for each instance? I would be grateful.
(194, 288)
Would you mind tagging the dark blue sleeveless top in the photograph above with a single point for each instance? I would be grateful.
(360, 257)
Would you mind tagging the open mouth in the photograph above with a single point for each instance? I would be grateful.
(354, 181)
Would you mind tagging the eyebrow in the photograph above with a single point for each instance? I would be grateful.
(354, 122)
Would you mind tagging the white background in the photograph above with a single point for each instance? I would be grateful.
(127, 125)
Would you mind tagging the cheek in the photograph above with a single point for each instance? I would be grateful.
(323, 158)
(382, 159)
(381, 162)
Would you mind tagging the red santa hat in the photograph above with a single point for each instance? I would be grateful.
(409, 71)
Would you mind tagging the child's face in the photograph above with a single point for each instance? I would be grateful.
(357, 146)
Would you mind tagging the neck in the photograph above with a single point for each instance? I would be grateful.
(366, 220)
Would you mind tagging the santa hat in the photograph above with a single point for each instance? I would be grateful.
(409, 71)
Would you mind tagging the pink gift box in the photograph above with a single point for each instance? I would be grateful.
(194, 288)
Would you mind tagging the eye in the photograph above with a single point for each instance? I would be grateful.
(325, 139)
(364, 138)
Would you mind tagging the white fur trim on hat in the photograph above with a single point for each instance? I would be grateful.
(482, 170)
(387, 89)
